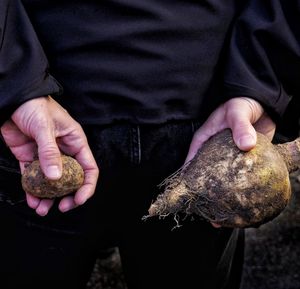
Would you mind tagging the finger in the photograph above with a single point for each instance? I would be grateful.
(243, 132)
(44, 207)
(21, 146)
(266, 126)
(215, 123)
(87, 190)
(85, 158)
(67, 204)
(49, 154)
(241, 113)
(32, 202)
(12, 134)
(34, 120)
(91, 174)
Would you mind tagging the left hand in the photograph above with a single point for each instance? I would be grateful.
(42, 128)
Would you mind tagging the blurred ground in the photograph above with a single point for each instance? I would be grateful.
(271, 255)
(107, 272)
(272, 251)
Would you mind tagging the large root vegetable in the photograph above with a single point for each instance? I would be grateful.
(35, 182)
(230, 187)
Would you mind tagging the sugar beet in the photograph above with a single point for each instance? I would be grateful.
(230, 187)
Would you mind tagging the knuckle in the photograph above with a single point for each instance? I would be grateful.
(4, 130)
(49, 151)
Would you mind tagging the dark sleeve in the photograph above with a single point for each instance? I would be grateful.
(23, 64)
(264, 54)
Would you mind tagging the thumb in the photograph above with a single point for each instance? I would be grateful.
(241, 113)
(49, 154)
(34, 120)
(244, 134)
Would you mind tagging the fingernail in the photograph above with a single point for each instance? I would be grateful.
(53, 172)
(80, 201)
(41, 211)
(246, 142)
(65, 209)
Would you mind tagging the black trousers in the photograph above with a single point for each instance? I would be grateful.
(59, 250)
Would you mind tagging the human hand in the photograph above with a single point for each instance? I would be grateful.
(41, 127)
(244, 116)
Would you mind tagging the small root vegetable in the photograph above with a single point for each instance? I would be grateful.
(35, 182)
(231, 187)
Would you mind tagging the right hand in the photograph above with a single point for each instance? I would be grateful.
(244, 116)
(41, 127)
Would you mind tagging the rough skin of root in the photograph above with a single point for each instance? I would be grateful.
(227, 186)
(35, 182)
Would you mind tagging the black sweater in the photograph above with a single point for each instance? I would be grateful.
(146, 61)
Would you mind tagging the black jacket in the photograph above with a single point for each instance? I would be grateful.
(264, 57)
(147, 61)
